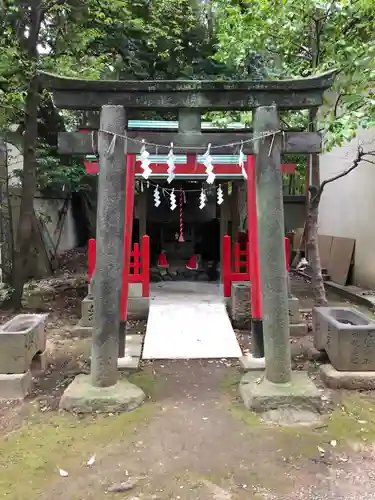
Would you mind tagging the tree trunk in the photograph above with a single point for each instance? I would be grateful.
(319, 292)
(24, 227)
(320, 298)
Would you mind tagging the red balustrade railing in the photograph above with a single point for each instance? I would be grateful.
(236, 264)
(139, 264)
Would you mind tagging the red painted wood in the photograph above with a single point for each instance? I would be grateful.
(91, 257)
(252, 222)
(145, 248)
(227, 266)
(139, 273)
(191, 161)
(128, 232)
(135, 259)
(189, 168)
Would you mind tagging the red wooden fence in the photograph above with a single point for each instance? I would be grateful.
(236, 267)
(139, 263)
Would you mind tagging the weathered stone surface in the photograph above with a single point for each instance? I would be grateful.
(261, 395)
(82, 331)
(294, 142)
(138, 309)
(128, 363)
(135, 290)
(320, 328)
(269, 197)
(82, 397)
(290, 417)
(87, 309)
(294, 312)
(132, 354)
(240, 305)
(109, 247)
(348, 336)
(15, 386)
(298, 329)
(335, 379)
(202, 94)
(248, 363)
(56, 82)
(21, 339)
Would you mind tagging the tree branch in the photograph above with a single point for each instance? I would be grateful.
(316, 193)
(336, 104)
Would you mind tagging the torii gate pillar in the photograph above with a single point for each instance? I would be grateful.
(277, 386)
(102, 391)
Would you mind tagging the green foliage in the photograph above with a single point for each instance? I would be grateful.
(55, 175)
(129, 39)
(296, 38)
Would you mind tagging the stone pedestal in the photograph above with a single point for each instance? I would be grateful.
(16, 386)
(335, 379)
(21, 339)
(261, 395)
(82, 397)
(297, 327)
(22, 346)
(348, 337)
(240, 305)
(138, 309)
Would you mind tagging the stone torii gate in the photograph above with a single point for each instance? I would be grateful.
(118, 100)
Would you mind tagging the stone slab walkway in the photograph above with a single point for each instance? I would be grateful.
(188, 320)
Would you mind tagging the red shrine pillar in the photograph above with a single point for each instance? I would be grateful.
(254, 265)
(128, 234)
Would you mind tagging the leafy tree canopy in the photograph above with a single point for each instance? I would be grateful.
(296, 38)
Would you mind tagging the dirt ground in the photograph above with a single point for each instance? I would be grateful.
(191, 440)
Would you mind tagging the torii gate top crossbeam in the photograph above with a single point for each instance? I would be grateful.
(70, 93)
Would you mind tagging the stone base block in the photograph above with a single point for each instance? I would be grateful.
(87, 311)
(248, 363)
(132, 349)
(138, 308)
(15, 387)
(348, 337)
(294, 312)
(82, 331)
(133, 352)
(82, 397)
(21, 339)
(334, 379)
(261, 395)
(298, 329)
(240, 305)
(128, 362)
